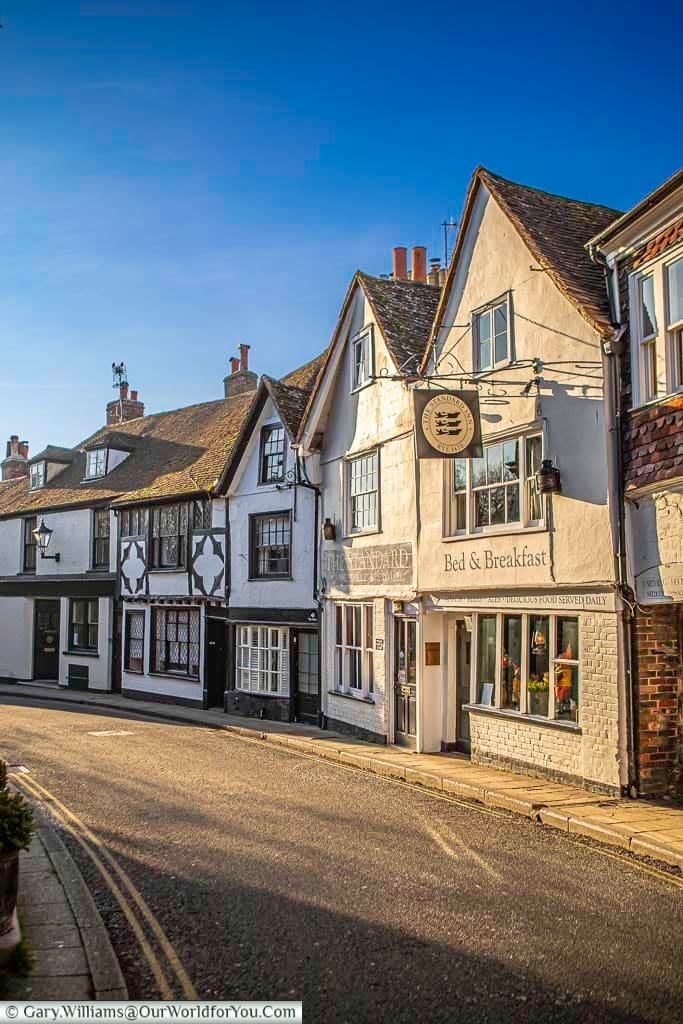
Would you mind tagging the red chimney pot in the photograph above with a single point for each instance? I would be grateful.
(134, 396)
(400, 254)
(419, 263)
(244, 357)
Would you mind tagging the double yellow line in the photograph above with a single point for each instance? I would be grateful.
(99, 854)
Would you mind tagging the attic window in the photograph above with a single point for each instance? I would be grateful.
(37, 476)
(491, 333)
(97, 463)
(361, 359)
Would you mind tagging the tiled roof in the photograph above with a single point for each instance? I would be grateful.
(556, 231)
(175, 453)
(404, 311)
(658, 245)
(54, 453)
(291, 394)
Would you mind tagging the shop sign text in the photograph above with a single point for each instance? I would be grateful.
(518, 558)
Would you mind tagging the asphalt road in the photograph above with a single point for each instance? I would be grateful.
(275, 876)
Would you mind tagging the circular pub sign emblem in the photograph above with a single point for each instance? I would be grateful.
(447, 424)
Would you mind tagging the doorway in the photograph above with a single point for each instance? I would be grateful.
(216, 663)
(46, 640)
(405, 682)
(463, 640)
(306, 676)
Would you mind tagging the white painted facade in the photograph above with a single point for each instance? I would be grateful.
(374, 567)
(559, 565)
(72, 579)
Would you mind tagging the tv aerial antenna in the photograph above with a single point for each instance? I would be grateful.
(119, 374)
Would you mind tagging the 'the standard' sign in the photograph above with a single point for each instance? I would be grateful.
(447, 424)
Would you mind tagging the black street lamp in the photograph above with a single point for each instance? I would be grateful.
(43, 537)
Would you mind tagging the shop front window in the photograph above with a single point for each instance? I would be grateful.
(486, 677)
(567, 669)
(511, 662)
(529, 664)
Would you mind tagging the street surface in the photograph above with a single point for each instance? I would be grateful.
(277, 876)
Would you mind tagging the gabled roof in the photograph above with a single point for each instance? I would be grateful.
(556, 231)
(176, 454)
(54, 453)
(115, 439)
(289, 396)
(404, 312)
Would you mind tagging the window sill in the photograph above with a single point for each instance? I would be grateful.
(516, 716)
(362, 533)
(659, 400)
(165, 569)
(100, 572)
(487, 534)
(269, 579)
(178, 676)
(263, 694)
(75, 653)
(351, 696)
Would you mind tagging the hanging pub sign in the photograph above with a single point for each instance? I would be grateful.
(447, 424)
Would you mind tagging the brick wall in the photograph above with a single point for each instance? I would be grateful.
(659, 691)
(589, 757)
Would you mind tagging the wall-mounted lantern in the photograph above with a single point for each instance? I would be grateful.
(43, 537)
(329, 530)
(548, 478)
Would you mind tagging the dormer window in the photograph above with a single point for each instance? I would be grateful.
(97, 463)
(361, 360)
(37, 475)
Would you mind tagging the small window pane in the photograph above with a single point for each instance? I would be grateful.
(675, 289)
(501, 335)
(459, 474)
(539, 665)
(486, 662)
(481, 508)
(497, 505)
(647, 308)
(511, 460)
(566, 675)
(478, 472)
(512, 661)
(494, 463)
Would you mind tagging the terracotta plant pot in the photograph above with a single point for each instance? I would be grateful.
(9, 887)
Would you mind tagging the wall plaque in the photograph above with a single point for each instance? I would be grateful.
(379, 643)
(447, 424)
(432, 653)
(381, 563)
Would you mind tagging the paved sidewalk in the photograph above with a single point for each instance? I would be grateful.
(644, 827)
(73, 957)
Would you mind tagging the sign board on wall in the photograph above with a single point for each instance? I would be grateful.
(502, 600)
(447, 424)
(379, 563)
(661, 584)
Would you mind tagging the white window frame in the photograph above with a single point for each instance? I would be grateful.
(37, 476)
(525, 522)
(254, 671)
(349, 463)
(555, 663)
(346, 653)
(662, 347)
(362, 342)
(94, 458)
(477, 314)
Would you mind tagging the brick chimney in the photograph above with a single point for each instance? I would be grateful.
(240, 379)
(124, 408)
(15, 464)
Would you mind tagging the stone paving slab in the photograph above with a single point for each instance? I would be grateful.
(621, 823)
(73, 957)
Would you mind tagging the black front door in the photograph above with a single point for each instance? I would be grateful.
(116, 648)
(462, 686)
(306, 676)
(46, 640)
(216, 663)
(405, 682)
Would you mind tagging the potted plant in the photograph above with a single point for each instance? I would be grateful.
(16, 830)
(538, 697)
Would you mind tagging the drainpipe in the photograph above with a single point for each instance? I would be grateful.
(612, 352)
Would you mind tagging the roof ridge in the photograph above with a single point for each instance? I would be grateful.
(484, 173)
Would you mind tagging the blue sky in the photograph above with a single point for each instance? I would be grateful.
(179, 177)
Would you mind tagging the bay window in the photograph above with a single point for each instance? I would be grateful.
(262, 660)
(354, 649)
(498, 491)
(656, 316)
(528, 663)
